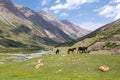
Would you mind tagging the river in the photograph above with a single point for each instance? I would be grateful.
(9, 57)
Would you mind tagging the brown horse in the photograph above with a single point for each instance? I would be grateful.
(57, 51)
(82, 49)
(71, 50)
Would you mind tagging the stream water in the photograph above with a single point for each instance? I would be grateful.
(8, 57)
(22, 57)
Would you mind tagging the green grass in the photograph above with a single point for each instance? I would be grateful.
(14, 35)
(18, 50)
(59, 67)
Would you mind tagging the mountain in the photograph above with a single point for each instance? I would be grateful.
(103, 40)
(75, 30)
(45, 25)
(22, 27)
(61, 25)
(16, 29)
(61, 33)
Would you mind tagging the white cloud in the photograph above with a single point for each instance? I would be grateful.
(117, 16)
(91, 25)
(71, 4)
(115, 1)
(110, 11)
(56, 11)
(41, 5)
(107, 11)
(118, 6)
(57, 1)
(44, 2)
(64, 14)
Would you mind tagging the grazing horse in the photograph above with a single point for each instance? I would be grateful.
(82, 49)
(57, 51)
(71, 50)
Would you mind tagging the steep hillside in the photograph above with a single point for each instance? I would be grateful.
(105, 38)
(77, 31)
(61, 25)
(45, 25)
(15, 29)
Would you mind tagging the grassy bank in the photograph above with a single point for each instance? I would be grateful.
(18, 50)
(63, 67)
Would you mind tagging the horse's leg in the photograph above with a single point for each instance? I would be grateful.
(85, 50)
(68, 52)
(72, 51)
(82, 51)
(56, 52)
(77, 51)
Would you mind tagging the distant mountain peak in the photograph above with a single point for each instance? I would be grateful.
(47, 15)
(43, 12)
(67, 21)
(19, 6)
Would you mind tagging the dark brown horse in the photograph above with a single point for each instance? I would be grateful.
(71, 50)
(57, 51)
(82, 49)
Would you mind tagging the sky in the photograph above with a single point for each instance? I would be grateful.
(88, 14)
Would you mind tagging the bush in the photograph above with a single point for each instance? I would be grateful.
(110, 45)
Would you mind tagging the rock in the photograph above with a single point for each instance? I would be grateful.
(104, 68)
(38, 65)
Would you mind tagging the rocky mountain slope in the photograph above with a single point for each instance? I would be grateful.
(103, 40)
(61, 25)
(26, 28)
(16, 28)
(75, 30)
(61, 33)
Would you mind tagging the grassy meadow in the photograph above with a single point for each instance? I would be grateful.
(63, 67)
(18, 50)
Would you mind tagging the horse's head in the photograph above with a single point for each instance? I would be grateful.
(74, 48)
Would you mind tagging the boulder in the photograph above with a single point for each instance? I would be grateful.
(104, 68)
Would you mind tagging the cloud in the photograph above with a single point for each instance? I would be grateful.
(64, 14)
(56, 11)
(115, 1)
(106, 11)
(71, 4)
(57, 1)
(44, 2)
(91, 25)
(110, 11)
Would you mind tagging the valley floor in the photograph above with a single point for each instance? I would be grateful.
(63, 67)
